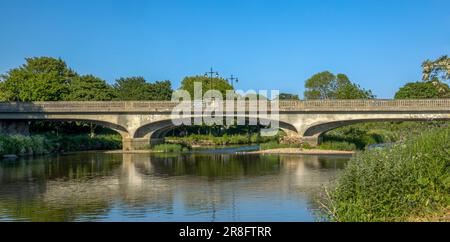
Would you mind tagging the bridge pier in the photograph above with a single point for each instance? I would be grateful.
(139, 143)
(312, 140)
(135, 143)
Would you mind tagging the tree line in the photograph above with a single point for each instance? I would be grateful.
(50, 79)
(326, 85)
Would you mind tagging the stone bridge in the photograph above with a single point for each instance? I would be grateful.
(146, 122)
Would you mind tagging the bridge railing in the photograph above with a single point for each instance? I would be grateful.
(284, 106)
(366, 105)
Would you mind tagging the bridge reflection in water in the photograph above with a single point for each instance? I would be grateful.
(203, 187)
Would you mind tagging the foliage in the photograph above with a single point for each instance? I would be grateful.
(357, 135)
(137, 89)
(410, 179)
(438, 69)
(160, 90)
(174, 148)
(39, 79)
(85, 142)
(22, 145)
(288, 96)
(325, 85)
(39, 144)
(89, 88)
(337, 145)
(365, 134)
(236, 139)
(423, 90)
(207, 84)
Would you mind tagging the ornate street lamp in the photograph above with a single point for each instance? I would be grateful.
(233, 79)
(210, 74)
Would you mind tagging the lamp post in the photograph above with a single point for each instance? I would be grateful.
(233, 79)
(210, 74)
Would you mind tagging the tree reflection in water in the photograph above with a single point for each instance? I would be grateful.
(194, 187)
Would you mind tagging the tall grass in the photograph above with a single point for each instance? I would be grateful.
(337, 145)
(364, 134)
(85, 142)
(170, 148)
(236, 139)
(41, 144)
(410, 179)
(21, 145)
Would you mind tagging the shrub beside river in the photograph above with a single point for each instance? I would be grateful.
(211, 140)
(408, 181)
(359, 136)
(44, 144)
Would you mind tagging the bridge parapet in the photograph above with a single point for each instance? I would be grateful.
(284, 106)
(367, 105)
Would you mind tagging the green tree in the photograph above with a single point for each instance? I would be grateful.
(207, 83)
(438, 69)
(320, 86)
(131, 88)
(137, 88)
(89, 88)
(39, 79)
(325, 85)
(288, 96)
(353, 91)
(160, 90)
(423, 90)
(5, 93)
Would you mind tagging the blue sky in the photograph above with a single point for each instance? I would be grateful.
(267, 44)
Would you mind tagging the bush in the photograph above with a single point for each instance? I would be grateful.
(410, 179)
(84, 142)
(330, 145)
(236, 139)
(170, 148)
(38, 144)
(364, 134)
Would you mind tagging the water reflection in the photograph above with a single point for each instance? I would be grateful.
(133, 187)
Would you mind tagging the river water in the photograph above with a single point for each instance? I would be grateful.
(164, 187)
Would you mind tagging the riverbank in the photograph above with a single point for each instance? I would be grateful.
(408, 182)
(293, 151)
(301, 151)
(12, 146)
(196, 140)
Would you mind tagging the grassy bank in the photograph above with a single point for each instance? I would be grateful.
(170, 148)
(410, 180)
(210, 140)
(359, 136)
(44, 144)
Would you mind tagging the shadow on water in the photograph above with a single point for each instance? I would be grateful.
(145, 187)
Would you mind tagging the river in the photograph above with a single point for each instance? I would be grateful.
(165, 187)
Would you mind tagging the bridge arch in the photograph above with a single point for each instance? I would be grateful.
(115, 127)
(156, 131)
(320, 128)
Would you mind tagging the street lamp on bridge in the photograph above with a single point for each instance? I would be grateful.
(233, 79)
(210, 74)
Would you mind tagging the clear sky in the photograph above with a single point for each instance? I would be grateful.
(268, 44)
